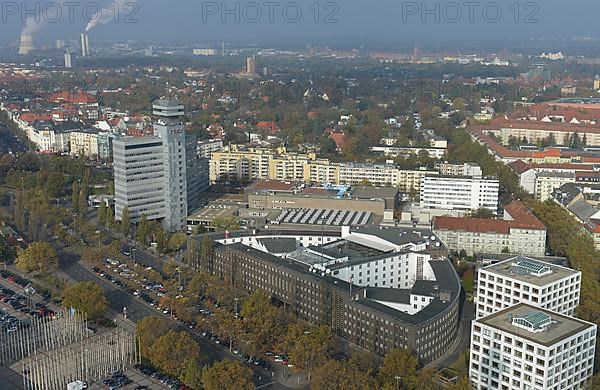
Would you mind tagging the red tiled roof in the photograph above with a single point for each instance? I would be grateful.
(77, 97)
(31, 117)
(264, 125)
(523, 218)
(519, 166)
(339, 139)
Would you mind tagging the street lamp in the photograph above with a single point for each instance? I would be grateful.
(397, 382)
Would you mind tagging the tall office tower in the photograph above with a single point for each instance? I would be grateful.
(169, 127)
(193, 172)
(68, 60)
(251, 65)
(525, 347)
(138, 164)
(527, 280)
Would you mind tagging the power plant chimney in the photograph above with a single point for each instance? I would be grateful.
(85, 45)
(26, 44)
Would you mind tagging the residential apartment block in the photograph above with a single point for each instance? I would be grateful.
(525, 347)
(519, 232)
(236, 163)
(84, 143)
(547, 182)
(527, 280)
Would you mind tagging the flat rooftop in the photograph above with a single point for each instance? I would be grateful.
(509, 268)
(560, 328)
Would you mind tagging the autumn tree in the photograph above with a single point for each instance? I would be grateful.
(86, 297)
(260, 321)
(172, 352)
(227, 375)
(38, 257)
(307, 346)
(337, 375)
(148, 330)
(398, 363)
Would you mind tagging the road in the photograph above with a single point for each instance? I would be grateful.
(9, 142)
(137, 310)
(463, 336)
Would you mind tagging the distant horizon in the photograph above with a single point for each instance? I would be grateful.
(382, 24)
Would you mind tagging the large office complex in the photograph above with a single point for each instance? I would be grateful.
(379, 288)
(519, 232)
(460, 193)
(527, 280)
(525, 347)
(150, 172)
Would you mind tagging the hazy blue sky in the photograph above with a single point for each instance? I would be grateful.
(353, 22)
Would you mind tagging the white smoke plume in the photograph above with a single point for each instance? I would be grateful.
(33, 24)
(107, 14)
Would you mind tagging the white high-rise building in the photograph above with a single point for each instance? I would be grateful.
(525, 347)
(460, 193)
(527, 280)
(170, 129)
(139, 178)
(68, 60)
(150, 172)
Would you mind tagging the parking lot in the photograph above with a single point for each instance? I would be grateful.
(138, 378)
(16, 308)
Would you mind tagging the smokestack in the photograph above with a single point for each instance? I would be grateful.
(87, 44)
(83, 45)
(26, 44)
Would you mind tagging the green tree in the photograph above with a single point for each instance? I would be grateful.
(177, 241)
(143, 229)
(110, 216)
(125, 223)
(227, 375)
(192, 376)
(206, 250)
(225, 223)
(38, 257)
(102, 213)
(75, 196)
(86, 297)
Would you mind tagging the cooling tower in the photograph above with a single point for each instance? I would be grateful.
(26, 44)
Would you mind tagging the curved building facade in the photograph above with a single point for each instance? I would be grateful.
(378, 288)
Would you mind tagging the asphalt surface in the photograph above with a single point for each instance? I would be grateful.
(9, 142)
(137, 310)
